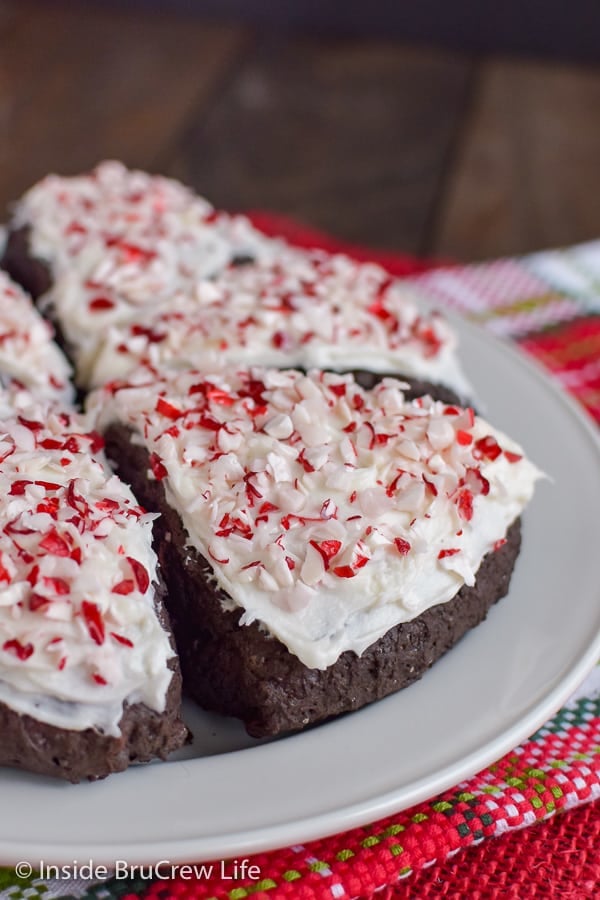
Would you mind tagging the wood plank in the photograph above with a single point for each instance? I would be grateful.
(77, 86)
(351, 136)
(528, 172)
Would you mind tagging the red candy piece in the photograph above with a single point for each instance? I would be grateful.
(512, 457)
(55, 544)
(464, 501)
(100, 304)
(402, 546)
(167, 409)
(344, 572)
(58, 585)
(36, 601)
(4, 574)
(158, 470)
(97, 441)
(127, 586)
(489, 447)
(21, 651)
(451, 552)
(140, 574)
(327, 549)
(107, 505)
(94, 621)
(121, 640)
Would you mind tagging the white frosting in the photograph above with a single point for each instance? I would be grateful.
(314, 310)
(79, 634)
(27, 351)
(118, 242)
(329, 513)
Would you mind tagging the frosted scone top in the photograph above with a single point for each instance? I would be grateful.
(118, 241)
(144, 269)
(328, 513)
(311, 310)
(79, 634)
(28, 353)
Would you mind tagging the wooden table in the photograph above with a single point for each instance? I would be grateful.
(394, 146)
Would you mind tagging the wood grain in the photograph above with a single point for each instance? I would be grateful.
(528, 172)
(349, 136)
(79, 86)
(377, 142)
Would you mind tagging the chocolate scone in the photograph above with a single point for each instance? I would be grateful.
(133, 269)
(322, 544)
(101, 250)
(89, 680)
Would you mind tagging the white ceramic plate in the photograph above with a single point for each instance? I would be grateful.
(503, 681)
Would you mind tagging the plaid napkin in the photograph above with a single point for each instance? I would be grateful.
(550, 304)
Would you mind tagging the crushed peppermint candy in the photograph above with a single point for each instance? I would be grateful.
(71, 534)
(310, 309)
(362, 511)
(28, 354)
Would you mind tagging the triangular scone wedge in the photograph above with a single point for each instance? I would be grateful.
(322, 544)
(89, 681)
(137, 268)
(101, 250)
